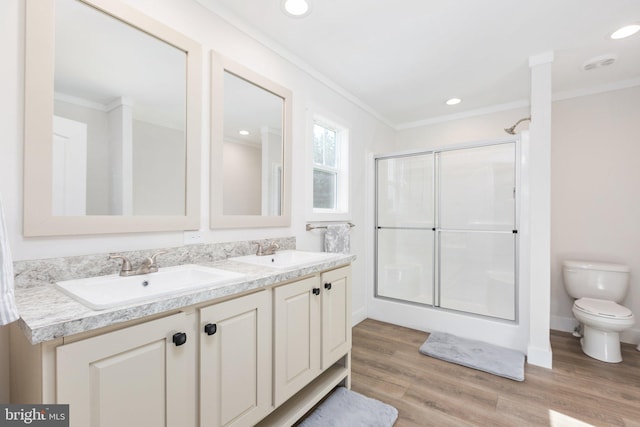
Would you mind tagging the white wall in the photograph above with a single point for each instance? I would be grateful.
(159, 163)
(243, 175)
(480, 127)
(595, 203)
(366, 134)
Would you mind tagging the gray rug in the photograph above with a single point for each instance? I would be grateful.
(346, 408)
(475, 354)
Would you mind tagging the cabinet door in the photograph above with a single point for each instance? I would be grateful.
(133, 377)
(297, 336)
(235, 361)
(336, 315)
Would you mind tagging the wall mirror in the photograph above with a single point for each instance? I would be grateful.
(250, 148)
(112, 121)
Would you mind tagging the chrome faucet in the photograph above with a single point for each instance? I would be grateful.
(269, 250)
(149, 265)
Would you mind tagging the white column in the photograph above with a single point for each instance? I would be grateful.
(539, 347)
(271, 157)
(120, 122)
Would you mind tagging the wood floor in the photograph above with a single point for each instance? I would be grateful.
(579, 391)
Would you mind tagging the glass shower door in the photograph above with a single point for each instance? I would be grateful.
(405, 228)
(476, 230)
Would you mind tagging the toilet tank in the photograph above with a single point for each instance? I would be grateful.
(595, 280)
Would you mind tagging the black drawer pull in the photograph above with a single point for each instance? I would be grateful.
(316, 291)
(179, 338)
(327, 286)
(210, 328)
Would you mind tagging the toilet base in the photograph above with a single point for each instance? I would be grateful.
(601, 345)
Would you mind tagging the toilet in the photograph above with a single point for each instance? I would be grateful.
(598, 288)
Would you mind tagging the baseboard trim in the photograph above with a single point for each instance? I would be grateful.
(564, 324)
(358, 316)
(540, 357)
(568, 324)
(631, 336)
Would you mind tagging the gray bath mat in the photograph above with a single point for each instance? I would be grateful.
(475, 354)
(346, 408)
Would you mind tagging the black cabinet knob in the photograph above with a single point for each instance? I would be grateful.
(179, 338)
(210, 328)
(316, 291)
(327, 286)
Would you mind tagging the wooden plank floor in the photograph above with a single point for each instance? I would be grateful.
(579, 391)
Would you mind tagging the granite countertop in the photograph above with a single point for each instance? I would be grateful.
(47, 313)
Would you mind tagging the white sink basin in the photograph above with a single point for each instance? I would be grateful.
(109, 291)
(287, 259)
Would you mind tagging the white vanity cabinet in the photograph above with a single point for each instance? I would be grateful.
(264, 357)
(141, 375)
(235, 361)
(312, 329)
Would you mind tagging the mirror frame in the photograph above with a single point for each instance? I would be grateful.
(219, 65)
(38, 128)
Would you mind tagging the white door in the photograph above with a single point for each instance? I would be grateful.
(297, 336)
(336, 315)
(138, 376)
(235, 361)
(69, 167)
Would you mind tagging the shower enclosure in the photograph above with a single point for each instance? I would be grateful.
(446, 228)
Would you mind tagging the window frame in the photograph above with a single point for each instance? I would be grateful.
(342, 209)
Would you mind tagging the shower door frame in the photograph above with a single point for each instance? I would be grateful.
(436, 193)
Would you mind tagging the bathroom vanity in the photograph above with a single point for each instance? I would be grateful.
(263, 350)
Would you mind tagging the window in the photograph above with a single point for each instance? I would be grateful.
(330, 168)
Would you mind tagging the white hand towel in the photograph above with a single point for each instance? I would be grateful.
(8, 309)
(336, 239)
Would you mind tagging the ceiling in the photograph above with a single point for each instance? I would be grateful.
(91, 67)
(403, 59)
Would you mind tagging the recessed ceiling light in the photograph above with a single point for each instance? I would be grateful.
(244, 132)
(296, 8)
(627, 31)
(454, 101)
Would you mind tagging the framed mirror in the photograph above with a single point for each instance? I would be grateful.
(250, 148)
(112, 121)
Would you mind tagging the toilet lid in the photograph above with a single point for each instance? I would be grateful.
(602, 307)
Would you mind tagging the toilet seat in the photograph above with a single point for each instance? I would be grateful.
(605, 308)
